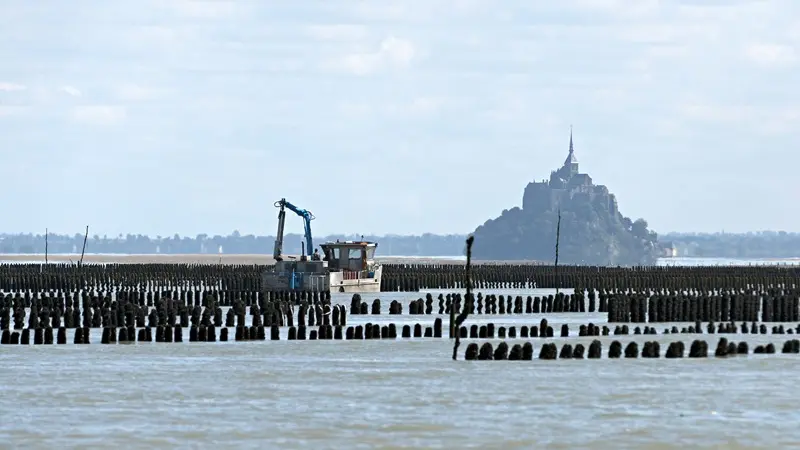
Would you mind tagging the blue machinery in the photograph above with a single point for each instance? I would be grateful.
(307, 218)
(296, 282)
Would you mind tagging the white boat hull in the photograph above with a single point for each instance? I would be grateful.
(355, 281)
(336, 281)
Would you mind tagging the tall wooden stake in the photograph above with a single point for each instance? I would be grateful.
(452, 333)
(558, 237)
(455, 327)
(83, 251)
(45, 245)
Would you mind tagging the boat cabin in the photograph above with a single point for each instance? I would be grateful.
(349, 255)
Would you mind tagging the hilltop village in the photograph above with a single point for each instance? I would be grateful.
(593, 231)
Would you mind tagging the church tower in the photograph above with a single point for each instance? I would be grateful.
(571, 163)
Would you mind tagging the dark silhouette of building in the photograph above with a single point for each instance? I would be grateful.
(567, 184)
(593, 231)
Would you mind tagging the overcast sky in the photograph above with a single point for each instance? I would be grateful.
(159, 117)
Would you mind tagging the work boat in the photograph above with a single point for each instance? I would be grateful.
(352, 266)
(346, 266)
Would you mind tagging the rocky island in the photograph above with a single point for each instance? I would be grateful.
(593, 231)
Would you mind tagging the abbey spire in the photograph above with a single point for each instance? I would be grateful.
(571, 147)
(571, 162)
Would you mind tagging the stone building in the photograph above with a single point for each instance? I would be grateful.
(567, 186)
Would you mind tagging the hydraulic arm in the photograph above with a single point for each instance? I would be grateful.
(307, 218)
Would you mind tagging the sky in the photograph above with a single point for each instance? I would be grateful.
(401, 117)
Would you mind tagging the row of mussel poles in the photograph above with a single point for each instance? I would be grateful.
(399, 277)
(416, 277)
(218, 303)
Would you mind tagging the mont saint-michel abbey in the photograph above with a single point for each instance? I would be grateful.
(567, 185)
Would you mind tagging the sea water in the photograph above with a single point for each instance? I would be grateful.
(404, 393)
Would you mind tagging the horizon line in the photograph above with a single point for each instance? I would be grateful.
(231, 234)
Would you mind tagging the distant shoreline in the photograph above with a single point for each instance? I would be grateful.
(261, 259)
(227, 259)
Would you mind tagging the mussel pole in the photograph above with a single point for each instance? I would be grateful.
(558, 237)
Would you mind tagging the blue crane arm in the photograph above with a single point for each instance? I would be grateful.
(307, 218)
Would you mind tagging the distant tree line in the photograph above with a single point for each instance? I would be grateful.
(234, 243)
(760, 244)
(765, 244)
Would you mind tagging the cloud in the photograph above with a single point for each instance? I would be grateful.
(793, 32)
(397, 87)
(771, 54)
(426, 105)
(763, 120)
(392, 54)
(417, 107)
(70, 90)
(781, 122)
(715, 113)
(621, 8)
(11, 87)
(98, 114)
(13, 111)
(390, 10)
(355, 109)
(203, 9)
(134, 92)
(338, 32)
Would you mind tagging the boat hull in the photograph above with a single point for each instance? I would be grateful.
(336, 281)
(359, 285)
(363, 281)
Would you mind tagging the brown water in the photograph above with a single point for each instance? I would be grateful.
(391, 394)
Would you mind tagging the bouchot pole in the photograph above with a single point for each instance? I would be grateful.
(455, 326)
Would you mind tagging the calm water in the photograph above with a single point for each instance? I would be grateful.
(389, 394)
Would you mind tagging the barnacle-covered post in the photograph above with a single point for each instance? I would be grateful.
(455, 325)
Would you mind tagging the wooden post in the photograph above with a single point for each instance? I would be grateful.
(455, 327)
(452, 333)
(558, 237)
(452, 318)
(45, 245)
(83, 251)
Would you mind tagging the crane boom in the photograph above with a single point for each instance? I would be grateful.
(307, 218)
